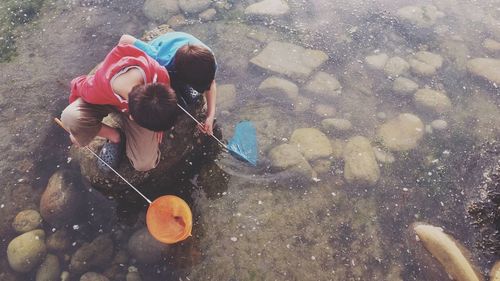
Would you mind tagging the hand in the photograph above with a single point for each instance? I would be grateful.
(73, 140)
(207, 126)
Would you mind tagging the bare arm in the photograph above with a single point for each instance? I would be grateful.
(211, 95)
(127, 39)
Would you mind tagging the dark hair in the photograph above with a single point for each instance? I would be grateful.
(195, 65)
(153, 107)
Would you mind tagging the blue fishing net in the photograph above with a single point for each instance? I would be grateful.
(243, 144)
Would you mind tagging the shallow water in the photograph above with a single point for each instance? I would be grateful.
(262, 224)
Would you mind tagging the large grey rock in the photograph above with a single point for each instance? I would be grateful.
(49, 270)
(145, 248)
(486, 68)
(98, 254)
(312, 143)
(432, 101)
(161, 10)
(396, 66)
(288, 59)
(377, 61)
(404, 86)
(402, 133)
(360, 165)
(93, 276)
(27, 220)
(421, 16)
(268, 8)
(287, 157)
(279, 89)
(62, 201)
(27, 250)
(194, 6)
(324, 85)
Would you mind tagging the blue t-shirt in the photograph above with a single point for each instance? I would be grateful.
(163, 48)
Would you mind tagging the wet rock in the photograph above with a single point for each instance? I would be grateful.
(324, 110)
(63, 198)
(279, 89)
(161, 10)
(324, 85)
(321, 166)
(288, 59)
(336, 125)
(27, 220)
(396, 66)
(383, 156)
(177, 21)
(491, 45)
(377, 61)
(268, 8)
(337, 148)
(133, 276)
(447, 251)
(194, 6)
(486, 68)
(302, 104)
(208, 15)
(27, 250)
(145, 248)
(93, 276)
(432, 101)
(65, 276)
(360, 165)
(426, 63)
(495, 272)
(404, 86)
(58, 241)
(288, 157)
(98, 254)
(358, 78)
(117, 270)
(226, 96)
(49, 270)
(312, 143)
(402, 133)
(439, 125)
(421, 16)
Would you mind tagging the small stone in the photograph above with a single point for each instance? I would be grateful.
(268, 8)
(194, 6)
(49, 270)
(377, 61)
(402, 133)
(383, 156)
(208, 15)
(360, 165)
(97, 253)
(288, 157)
(432, 101)
(59, 241)
(312, 143)
(93, 276)
(334, 124)
(27, 220)
(133, 276)
(65, 276)
(324, 110)
(486, 68)
(495, 272)
(439, 125)
(404, 86)
(324, 85)
(234, 239)
(396, 66)
(279, 89)
(27, 250)
(381, 115)
(491, 45)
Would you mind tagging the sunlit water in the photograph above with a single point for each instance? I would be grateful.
(258, 223)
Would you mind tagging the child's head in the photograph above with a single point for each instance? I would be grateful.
(153, 106)
(195, 65)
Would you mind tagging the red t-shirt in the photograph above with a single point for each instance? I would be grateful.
(96, 88)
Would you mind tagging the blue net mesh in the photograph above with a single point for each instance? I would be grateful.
(243, 144)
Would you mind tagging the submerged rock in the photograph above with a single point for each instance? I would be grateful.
(208, 15)
(432, 101)
(49, 270)
(447, 251)
(486, 68)
(396, 66)
(377, 61)
(439, 125)
(27, 250)
(324, 85)
(491, 45)
(27, 220)
(161, 10)
(279, 89)
(312, 143)
(383, 156)
(98, 253)
(402, 133)
(268, 8)
(404, 86)
(194, 6)
(226, 96)
(495, 272)
(324, 110)
(93, 276)
(58, 241)
(421, 16)
(336, 125)
(360, 165)
(288, 59)
(145, 248)
(287, 157)
(62, 201)
(426, 63)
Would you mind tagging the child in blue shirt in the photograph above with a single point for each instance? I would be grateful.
(189, 62)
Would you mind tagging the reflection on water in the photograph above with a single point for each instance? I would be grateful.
(387, 89)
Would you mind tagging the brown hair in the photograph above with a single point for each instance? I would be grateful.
(195, 65)
(153, 106)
